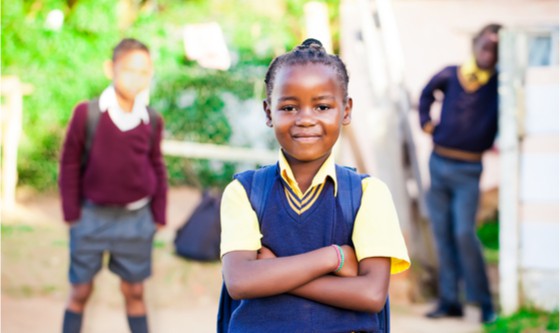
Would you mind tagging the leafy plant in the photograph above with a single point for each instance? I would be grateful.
(489, 234)
(526, 320)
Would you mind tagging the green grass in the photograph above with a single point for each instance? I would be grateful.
(525, 321)
(10, 230)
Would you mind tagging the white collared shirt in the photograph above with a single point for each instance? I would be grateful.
(125, 121)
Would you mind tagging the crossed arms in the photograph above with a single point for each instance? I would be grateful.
(357, 286)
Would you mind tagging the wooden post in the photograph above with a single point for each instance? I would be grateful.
(12, 91)
(511, 76)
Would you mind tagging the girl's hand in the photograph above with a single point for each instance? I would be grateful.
(350, 268)
(265, 253)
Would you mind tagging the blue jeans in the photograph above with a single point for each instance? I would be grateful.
(452, 205)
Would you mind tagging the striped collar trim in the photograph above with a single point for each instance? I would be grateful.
(326, 170)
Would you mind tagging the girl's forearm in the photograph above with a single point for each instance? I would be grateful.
(246, 277)
(351, 293)
(365, 292)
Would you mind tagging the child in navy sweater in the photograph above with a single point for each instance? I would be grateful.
(467, 127)
(114, 190)
(300, 268)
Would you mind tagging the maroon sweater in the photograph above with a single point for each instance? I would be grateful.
(121, 168)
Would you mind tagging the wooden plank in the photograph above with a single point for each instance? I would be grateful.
(541, 144)
(539, 212)
(511, 74)
(218, 152)
(539, 246)
(539, 178)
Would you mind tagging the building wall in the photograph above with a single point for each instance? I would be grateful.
(538, 188)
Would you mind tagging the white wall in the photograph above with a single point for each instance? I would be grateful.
(539, 177)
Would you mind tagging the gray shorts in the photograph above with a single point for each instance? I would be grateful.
(126, 235)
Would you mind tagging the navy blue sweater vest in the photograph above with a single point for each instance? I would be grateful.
(286, 233)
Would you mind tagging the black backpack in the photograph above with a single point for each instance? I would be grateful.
(199, 237)
(349, 196)
(93, 115)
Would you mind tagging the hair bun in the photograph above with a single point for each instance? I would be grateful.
(310, 41)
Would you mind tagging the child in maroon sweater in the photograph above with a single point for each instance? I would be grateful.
(115, 201)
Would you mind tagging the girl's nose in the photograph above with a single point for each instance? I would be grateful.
(305, 117)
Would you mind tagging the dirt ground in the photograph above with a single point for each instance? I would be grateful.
(182, 295)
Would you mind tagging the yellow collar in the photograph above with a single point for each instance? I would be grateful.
(472, 77)
(326, 170)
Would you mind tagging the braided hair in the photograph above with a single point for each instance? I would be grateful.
(127, 45)
(310, 51)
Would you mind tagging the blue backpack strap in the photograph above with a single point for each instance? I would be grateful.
(349, 192)
(262, 182)
(350, 196)
(257, 184)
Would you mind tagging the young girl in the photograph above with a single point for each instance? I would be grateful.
(299, 268)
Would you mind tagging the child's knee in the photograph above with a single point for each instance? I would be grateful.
(81, 292)
(133, 291)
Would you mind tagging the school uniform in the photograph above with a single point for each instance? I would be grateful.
(293, 223)
(115, 199)
(468, 126)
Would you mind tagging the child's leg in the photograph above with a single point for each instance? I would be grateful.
(133, 293)
(131, 260)
(86, 256)
(79, 295)
(135, 307)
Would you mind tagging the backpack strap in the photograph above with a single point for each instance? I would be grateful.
(262, 182)
(350, 196)
(349, 192)
(154, 117)
(257, 184)
(92, 119)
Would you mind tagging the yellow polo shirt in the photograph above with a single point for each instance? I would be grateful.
(376, 229)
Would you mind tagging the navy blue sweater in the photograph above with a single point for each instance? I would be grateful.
(469, 120)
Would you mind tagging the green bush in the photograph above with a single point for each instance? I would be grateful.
(525, 321)
(64, 68)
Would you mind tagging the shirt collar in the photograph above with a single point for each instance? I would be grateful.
(472, 73)
(108, 102)
(326, 170)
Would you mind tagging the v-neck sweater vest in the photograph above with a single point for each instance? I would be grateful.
(288, 233)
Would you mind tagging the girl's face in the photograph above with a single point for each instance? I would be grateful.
(132, 73)
(307, 109)
(486, 51)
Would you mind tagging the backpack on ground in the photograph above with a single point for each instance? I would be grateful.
(199, 238)
(349, 195)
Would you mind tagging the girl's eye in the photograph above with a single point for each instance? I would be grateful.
(323, 107)
(288, 108)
